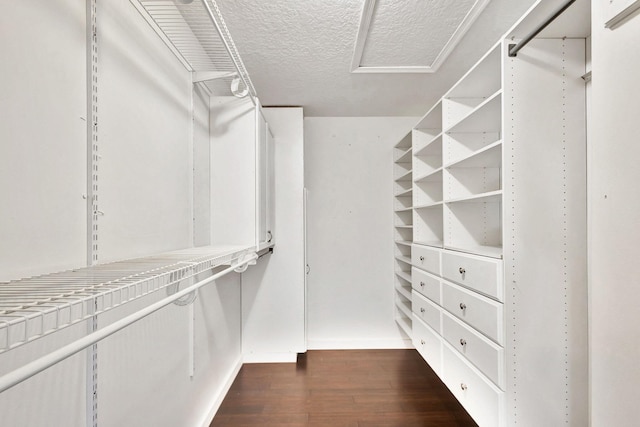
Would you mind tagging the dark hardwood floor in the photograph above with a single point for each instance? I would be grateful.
(342, 388)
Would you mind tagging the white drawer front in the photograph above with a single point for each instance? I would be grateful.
(483, 400)
(479, 273)
(426, 283)
(426, 258)
(482, 313)
(427, 311)
(484, 354)
(428, 343)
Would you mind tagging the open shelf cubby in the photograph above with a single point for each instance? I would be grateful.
(475, 87)
(428, 225)
(474, 225)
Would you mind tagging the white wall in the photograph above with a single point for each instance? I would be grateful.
(233, 163)
(614, 223)
(348, 172)
(143, 371)
(273, 294)
(201, 168)
(43, 137)
(144, 113)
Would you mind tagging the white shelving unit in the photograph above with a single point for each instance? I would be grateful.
(499, 266)
(403, 230)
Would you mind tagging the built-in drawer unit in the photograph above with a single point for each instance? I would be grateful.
(426, 258)
(428, 343)
(426, 283)
(483, 353)
(478, 273)
(479, 396)
(426, 310)
(482, 313)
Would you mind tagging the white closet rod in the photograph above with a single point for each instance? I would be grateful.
(515, 48)
(30, 369)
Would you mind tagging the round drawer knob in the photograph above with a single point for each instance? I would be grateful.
(422, 342)
(463, 386)
(422, 284)
(463, 342)
(421, 258)
(463, 306)
(462, 270)
(422, 310)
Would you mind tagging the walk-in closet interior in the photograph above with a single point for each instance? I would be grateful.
(191, 186)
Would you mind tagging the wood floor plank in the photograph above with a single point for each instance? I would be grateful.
(350, 388)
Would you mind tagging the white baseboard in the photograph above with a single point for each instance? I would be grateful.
(218, 395)
(387, 344)
(270, 358)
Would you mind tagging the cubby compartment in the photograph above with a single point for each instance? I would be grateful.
(403, 219)
(486, 117)
(427, 159)
(460, 146)
(402, 171)
(428, 225)
(403, 233)
(402, 188)
(402, 203)
(428, 190)
(480, 83)
(402, 251)
(464, 183)
(475, 225)
(402, 149)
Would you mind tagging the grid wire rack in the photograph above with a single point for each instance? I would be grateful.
(34, 307)
(198, 35)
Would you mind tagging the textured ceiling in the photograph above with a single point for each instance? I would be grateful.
(411, 32)
(298, 53)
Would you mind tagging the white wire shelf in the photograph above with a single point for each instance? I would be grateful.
(37, 306)
(197, 33)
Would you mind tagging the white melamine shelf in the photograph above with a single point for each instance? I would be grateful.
(489, 251)
(433, 176)
(407, 209)
(405, 193)
(429, 205)
(489, 197)
(403, 242)
(404, 259)
(405, 176)
(486, 117)
(404, 275)
(37, 306)
(404, 157)
(487, 157)
(404, 306)
(405, 325)
(407, 227)
(405, 291)
(433, 243)
(432, 148)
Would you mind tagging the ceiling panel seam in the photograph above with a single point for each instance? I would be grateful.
(364, 31)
